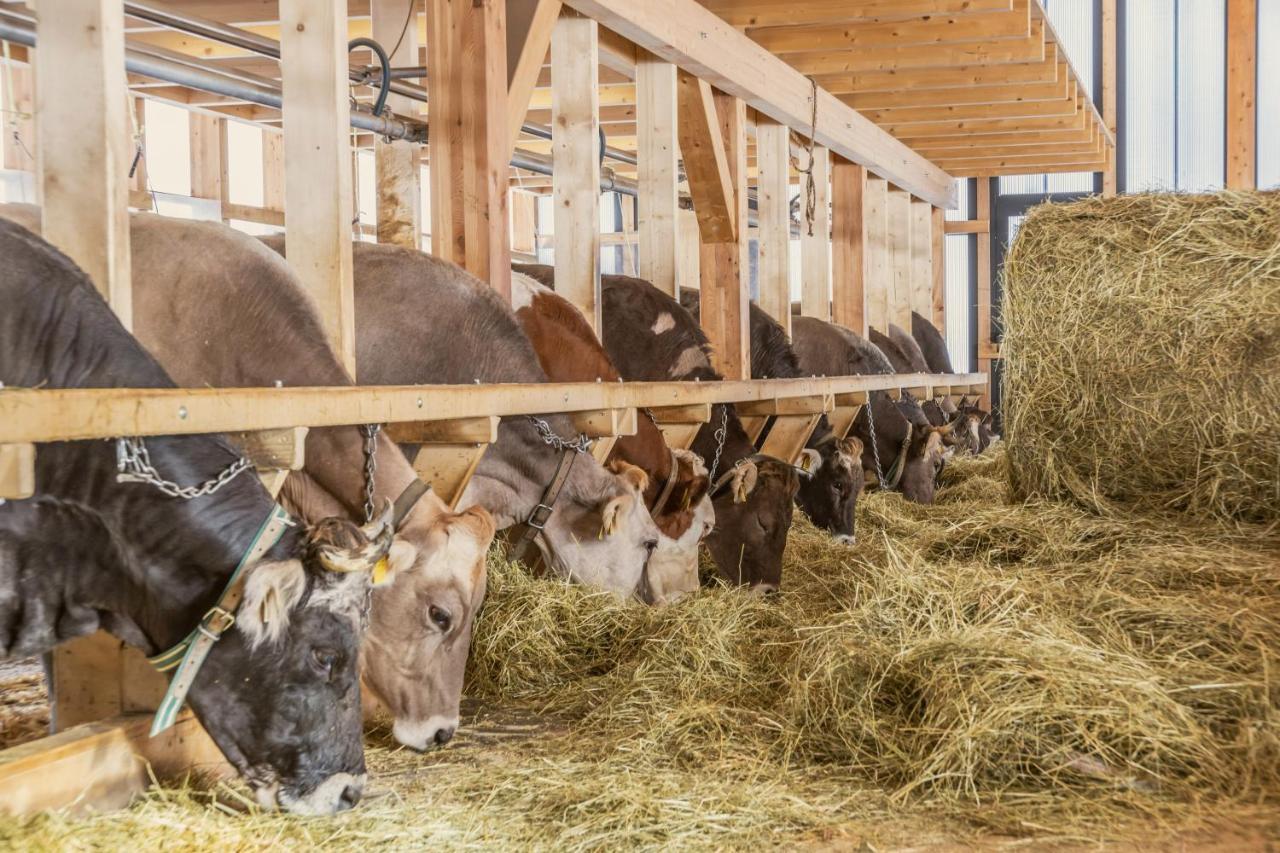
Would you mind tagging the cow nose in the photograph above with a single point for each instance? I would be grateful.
(443, 736)
(350, 796)
(650, 545)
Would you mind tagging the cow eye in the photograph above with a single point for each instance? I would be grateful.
(440, 618)
(324, 660)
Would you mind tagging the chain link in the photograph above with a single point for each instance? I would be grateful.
(875, 448)
(549, 437)
(133, 465)
(720, 436)
(370, 433)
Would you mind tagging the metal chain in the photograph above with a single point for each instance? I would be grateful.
(370, 433)
(133, 465)
(549, 437)
(810, 200)
(720, 436)
(648, 413)
(875, 448)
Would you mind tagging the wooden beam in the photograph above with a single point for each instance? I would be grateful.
(967, 112)
(980, 52)
(576, 163)
(967, 226)
(921, 261)
(706, 161)
(1109, 92)
(814, 404)
(459, 430)
(703, 44)
(938, 270)
(1008, 139)
(773, 194)
(273, 448)
(725, 305)
(952, 97)
(848, 244)
(470, 143)
(83, 154)
(815, 247)
(396, 161)
(878, 276)
(658, 174)
(1033, 169)
(899, 226)
(761, 13)
(17, 470)
(529, 25)
(1242, 93)
(1046, 70)
(927, 29)
(1077, 121)
(317, 157)
(209, 166)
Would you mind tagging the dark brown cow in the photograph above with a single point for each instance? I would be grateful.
(830, 494)
(676, 493)
(907, 451)
(977, 421)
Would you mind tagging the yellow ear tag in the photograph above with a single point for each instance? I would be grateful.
(380, 570)
(805, 462)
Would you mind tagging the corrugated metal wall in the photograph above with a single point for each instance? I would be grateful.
(1269, 93)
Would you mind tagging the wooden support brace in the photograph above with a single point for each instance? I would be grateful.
(17, 471)
(789, 435)
(529, 26)
(273, 448)
(706, 161)
(459, 430)
(841, 419)
(448, 467)
(787, 406)
(102, 765)
(680, 424)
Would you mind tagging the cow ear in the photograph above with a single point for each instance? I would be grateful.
(852, 447)
(744, 481)
(809, 461)
(632, 475)
(400, 558)
(611, 514)
(271, 591)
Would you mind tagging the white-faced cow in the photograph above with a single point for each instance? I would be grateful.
(676, 483)
(422, 320)
(830, 494)
(279, 691)
(907, 452)
(649, 337)
(218, 308)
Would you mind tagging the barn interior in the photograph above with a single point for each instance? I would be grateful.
(1069, 643)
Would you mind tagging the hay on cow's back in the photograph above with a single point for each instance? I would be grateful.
(1142, 353)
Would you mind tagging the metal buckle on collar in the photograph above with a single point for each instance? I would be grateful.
(538, 517)
(214, 629)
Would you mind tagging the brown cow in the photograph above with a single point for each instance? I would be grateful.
(906, 451)
(218, 308)
(676, 492)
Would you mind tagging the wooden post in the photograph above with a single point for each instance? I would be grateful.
(83, 158)
(921, 262)
(724, 311)
(317, 162)
(657, 175)
(815, 248)
(1242, 93)
(272, 170)
(848, 242)
(575, 152)
(878, 281)
(688, 253)
(773, 195)
(984, 290)
(467, 88)
(938, 269)
(1109, 31)
(209, 159)
(899, 229)
(396, 162)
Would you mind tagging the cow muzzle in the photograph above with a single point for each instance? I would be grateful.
(421, 735)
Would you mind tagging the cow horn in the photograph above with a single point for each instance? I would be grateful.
(744, 481)
(379, 533)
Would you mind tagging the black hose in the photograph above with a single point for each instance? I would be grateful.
(384, 85)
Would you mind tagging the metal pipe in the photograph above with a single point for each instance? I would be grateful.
(157, 13)
(164, 65)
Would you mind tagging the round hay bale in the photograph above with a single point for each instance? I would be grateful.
(1142, 354)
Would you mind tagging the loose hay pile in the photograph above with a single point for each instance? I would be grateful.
(1142, 353)
(977, 669)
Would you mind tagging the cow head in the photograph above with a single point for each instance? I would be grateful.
(600, 533)
(280, 695)
(926, 454)
(415, 653)
(685, 521)
(753, 513)
(983, 436)
(830, 492)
